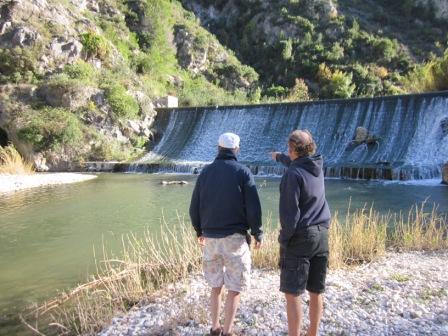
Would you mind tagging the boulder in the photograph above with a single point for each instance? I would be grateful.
(40, 163)
(66, 50)
(445, 173)
(71, 97)
(24, 37)
(361, 134)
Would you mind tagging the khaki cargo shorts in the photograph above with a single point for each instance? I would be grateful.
(227, 262)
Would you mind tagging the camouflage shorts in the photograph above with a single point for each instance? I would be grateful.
(227, 262)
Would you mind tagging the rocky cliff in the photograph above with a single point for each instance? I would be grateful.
(80, 79)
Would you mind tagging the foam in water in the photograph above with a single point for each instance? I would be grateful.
(410, 142)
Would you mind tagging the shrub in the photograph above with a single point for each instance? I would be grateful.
(432, 76)
(299, 92)
(335, 84)
(123, 105)
(286, 49)
(385, 49)
(17, 65)
(80, 70)
(95, 45)
(50, 128)
(276, 91)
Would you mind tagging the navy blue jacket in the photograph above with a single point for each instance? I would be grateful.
(302, 196)
(225, 199)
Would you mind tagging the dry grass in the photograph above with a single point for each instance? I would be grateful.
(150, 262)
(12, 163)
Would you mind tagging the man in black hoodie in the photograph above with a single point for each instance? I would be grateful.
(224, 206)
(304, 219)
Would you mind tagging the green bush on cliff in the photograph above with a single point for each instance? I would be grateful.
(123, 105)
(95, 45)
(432, 76)
(80, 70)
(51, 128)
(17, 65)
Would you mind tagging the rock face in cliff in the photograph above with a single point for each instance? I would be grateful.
(440, 7)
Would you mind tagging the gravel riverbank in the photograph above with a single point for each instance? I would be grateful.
(13, 183)
(400, 294)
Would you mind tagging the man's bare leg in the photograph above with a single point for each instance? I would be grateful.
(294, 313)
(316, 308)
(215, 306)
(232, 304)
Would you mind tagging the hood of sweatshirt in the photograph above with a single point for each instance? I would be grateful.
(312, 164)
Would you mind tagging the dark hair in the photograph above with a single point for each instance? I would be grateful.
(301, 147)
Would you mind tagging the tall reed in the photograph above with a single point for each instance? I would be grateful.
(12, 163)
(149, 262)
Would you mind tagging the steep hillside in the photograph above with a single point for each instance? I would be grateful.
(80, 78)
(342, 48)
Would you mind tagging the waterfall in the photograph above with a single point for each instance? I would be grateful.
(409, 141)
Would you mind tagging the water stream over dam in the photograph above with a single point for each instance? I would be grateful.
(406, 137)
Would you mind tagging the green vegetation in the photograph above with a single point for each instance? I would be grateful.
(95, 45)
(80, 70)
(123, 105)
(17, 65)
(432, 76)
(400, 277)
(366, 57)
(51, 128)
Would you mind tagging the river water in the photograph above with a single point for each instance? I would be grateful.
(48, 235)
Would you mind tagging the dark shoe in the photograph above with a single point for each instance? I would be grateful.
(216, 332)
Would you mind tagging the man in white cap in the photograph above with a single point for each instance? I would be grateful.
(224, 206)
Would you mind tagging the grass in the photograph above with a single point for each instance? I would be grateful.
(12, 163)
(149, 262)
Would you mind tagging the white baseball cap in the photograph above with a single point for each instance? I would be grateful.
(229, 140)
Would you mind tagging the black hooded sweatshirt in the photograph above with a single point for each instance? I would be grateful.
(225, 199)
(302, 196)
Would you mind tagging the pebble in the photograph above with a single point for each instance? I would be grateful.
(358, 301)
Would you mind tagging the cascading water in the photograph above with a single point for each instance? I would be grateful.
(407, 132)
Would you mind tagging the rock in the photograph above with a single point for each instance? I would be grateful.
(134, 125)
(191, 55)
(444, 126)
(40, 163)
(445, 173)
(24, 37)
(4, 27)
(71, 97)
(168, 101)
(174, 182)
(361, 134)
(65, 50)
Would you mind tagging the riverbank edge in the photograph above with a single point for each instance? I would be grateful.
(388, 296)
(10, 184)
